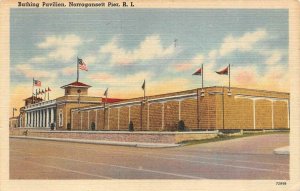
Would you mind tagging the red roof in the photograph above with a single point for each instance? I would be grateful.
(76, 84)
(111, 100)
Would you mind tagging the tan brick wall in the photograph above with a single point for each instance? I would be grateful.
(13, 122)
(263, 114)
(124, 118)
(73, 91)
(92, 117)
(113, 119)
(145, 117)
(76, 121)
(280, 114)
(207, 111)
(238, 112)
(135, 116)
(155, 117)
(171, 115)
(100, 119)
(84, 120)
(189, 113)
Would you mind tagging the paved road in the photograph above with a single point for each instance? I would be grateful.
(243, 158)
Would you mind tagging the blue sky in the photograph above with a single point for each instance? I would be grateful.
(122, 47)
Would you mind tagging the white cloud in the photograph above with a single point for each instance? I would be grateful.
(194, 63)
(274, 57)
(29, 72)
(38, 60)
(61, 48)
(116, 80)
(67, 71)
(274, 78)
(60, 41)
(89, 59)
(243, 43)
(150, 48)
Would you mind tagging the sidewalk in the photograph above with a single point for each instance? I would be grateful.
(102, 142)
(282, 151)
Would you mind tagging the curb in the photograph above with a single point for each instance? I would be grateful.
(282, 151)
(114, 143)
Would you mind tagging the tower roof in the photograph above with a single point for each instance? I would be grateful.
(76, 85)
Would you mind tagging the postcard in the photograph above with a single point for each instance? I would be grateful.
(138, 95)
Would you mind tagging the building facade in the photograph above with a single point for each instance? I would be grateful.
(41, 114)
(210, 108)
(199, 109)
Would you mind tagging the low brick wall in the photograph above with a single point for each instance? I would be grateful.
(122, 136)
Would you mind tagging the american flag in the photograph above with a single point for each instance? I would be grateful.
(37, 83)
(82, 65)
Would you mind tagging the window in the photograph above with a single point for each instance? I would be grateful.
(60, 118)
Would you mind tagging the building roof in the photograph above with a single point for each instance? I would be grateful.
(111, 100)
(77, 85)
(33, 97)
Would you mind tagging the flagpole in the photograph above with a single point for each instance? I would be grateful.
(48, 93)
(202, 76)
(105, 109)
(229, 78)
(32, 88)
(45, 95)
(145, 90)
(77, 70)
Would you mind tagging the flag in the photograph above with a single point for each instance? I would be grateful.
(15, 109)
(82, 65)
(223, 72)
(144, 84)
(42, 91)
(198, 72)
(39, 91)
(106, 91)
(46, 90)
(37, 83)
(49, 89)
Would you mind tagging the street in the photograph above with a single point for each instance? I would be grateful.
(242, 158)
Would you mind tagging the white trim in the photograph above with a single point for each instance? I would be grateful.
(272, 114)
(96, 119)
(162, 116)
(72, 117)
(129, 114)
(47, 117)
(179, 110)
(148, 116)
(108, 117)
(288, 112)
(118, 118)
(88, 121)
(254, 114)
(60, 119)
(177, 97)
(80, 120)
(75, 101)
(260, 97)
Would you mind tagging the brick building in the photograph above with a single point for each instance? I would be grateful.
(210, 108)
(215, 108)
(40, 113)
